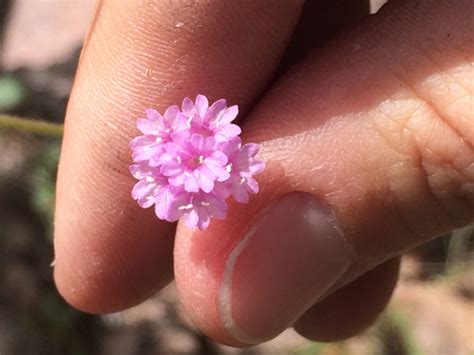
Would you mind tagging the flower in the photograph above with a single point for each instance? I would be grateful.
(190, 159)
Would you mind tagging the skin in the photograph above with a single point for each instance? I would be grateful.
(375, 121)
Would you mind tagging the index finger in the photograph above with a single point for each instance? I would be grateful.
(110, 254)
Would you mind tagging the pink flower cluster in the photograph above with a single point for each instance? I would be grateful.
(189, 160)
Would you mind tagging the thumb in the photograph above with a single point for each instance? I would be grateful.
(376, 134)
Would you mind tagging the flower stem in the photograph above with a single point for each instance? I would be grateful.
(31, 125)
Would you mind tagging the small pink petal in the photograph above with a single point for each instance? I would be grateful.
(191, 219)
(250, 149)
(217, 170)
(180, 123)
(205, 178)
(240, 193)
(146, 153)
(196, 141)
(216, 206)
(175, 207)
(230, 147)
(252, 185)
(221, 191)
(229, 115)
(149, 127)
(256, 167)
(215, 110)
(155, 117)
(180, 137)
(171, 168)
(217, 158)
(188, 107)
(202, 105)
(163, 200)
(137, 170)
(141, 142)
(142, 189)
(230, 130)
(209, 144)
(163, 158)
(204, 219)
(190, 184)
(171, 113)
(177, 180)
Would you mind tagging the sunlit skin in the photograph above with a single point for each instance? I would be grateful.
(376, 124)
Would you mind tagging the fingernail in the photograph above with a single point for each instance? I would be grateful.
(288, 259)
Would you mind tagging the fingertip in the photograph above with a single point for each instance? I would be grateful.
(100, 293)
(199, 257)
(100, 273)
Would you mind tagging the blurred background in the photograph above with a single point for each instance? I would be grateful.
(432, 311)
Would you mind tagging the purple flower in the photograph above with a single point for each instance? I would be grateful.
(244, 166)
(188, 161)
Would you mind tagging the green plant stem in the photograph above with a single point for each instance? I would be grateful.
(30, 125)
(458, 248)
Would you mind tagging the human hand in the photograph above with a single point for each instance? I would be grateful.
(368, 145)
